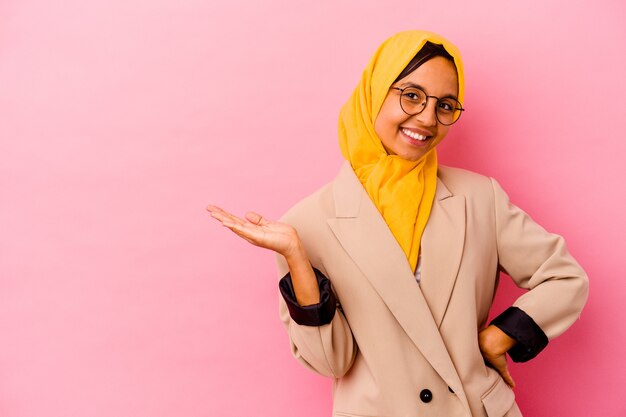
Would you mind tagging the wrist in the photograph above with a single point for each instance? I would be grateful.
(494, 342)
(295, 254)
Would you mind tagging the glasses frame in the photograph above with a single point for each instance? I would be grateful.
(460, 109)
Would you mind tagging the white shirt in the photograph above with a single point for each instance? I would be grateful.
(418, 270)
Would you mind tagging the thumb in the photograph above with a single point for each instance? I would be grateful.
(506, 375)
(256, 218)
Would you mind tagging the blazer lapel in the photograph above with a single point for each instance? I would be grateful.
(365, 236)
(442, 249)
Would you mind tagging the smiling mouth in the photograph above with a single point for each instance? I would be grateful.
(414, 135)
(415, 138)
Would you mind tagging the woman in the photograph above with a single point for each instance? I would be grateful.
(389, 271)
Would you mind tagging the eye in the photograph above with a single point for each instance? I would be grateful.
(413, 95)
(446, 105)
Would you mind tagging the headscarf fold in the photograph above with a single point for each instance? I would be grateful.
(402, 190)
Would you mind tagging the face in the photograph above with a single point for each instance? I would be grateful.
(400, 133)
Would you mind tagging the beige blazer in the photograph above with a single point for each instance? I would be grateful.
(391, 337)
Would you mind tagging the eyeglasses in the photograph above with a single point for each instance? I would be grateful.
(413, 101)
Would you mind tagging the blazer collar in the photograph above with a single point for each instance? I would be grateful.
(348, 192)
(419, 309)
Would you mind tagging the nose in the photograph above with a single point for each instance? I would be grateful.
(428, 116)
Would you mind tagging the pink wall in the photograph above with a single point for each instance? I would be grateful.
(121, 119)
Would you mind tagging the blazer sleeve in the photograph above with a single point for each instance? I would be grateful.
(540, 262)
(323, 341)
(311, 315)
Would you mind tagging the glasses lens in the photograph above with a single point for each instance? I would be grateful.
(448, 111)
(413, 100)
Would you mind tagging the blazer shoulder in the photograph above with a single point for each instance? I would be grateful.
(309, 217)
(317, 205)
(463, 182)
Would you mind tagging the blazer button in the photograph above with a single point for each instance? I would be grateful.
(451, 390)
(426, 396)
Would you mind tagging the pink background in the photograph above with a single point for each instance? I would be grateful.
(120, 120)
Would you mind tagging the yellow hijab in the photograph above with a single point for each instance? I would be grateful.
(402, 190)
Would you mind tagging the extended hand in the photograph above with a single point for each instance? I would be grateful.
(494, 344)
(259, 231)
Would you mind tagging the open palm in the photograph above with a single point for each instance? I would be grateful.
(259, 231)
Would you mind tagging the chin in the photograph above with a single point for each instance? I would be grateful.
(413, 156)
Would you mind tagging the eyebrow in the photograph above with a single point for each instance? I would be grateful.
(410, 84)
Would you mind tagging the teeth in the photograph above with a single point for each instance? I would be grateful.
(414, 135)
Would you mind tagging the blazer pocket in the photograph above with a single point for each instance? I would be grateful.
(498, 399)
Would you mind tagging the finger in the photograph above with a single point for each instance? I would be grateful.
(221, 217)
(251, 217)
(256, 218)
(226, 216)
(217, 210)
(501, 366)
(506, 375)
(236, 229)
(247, 232)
